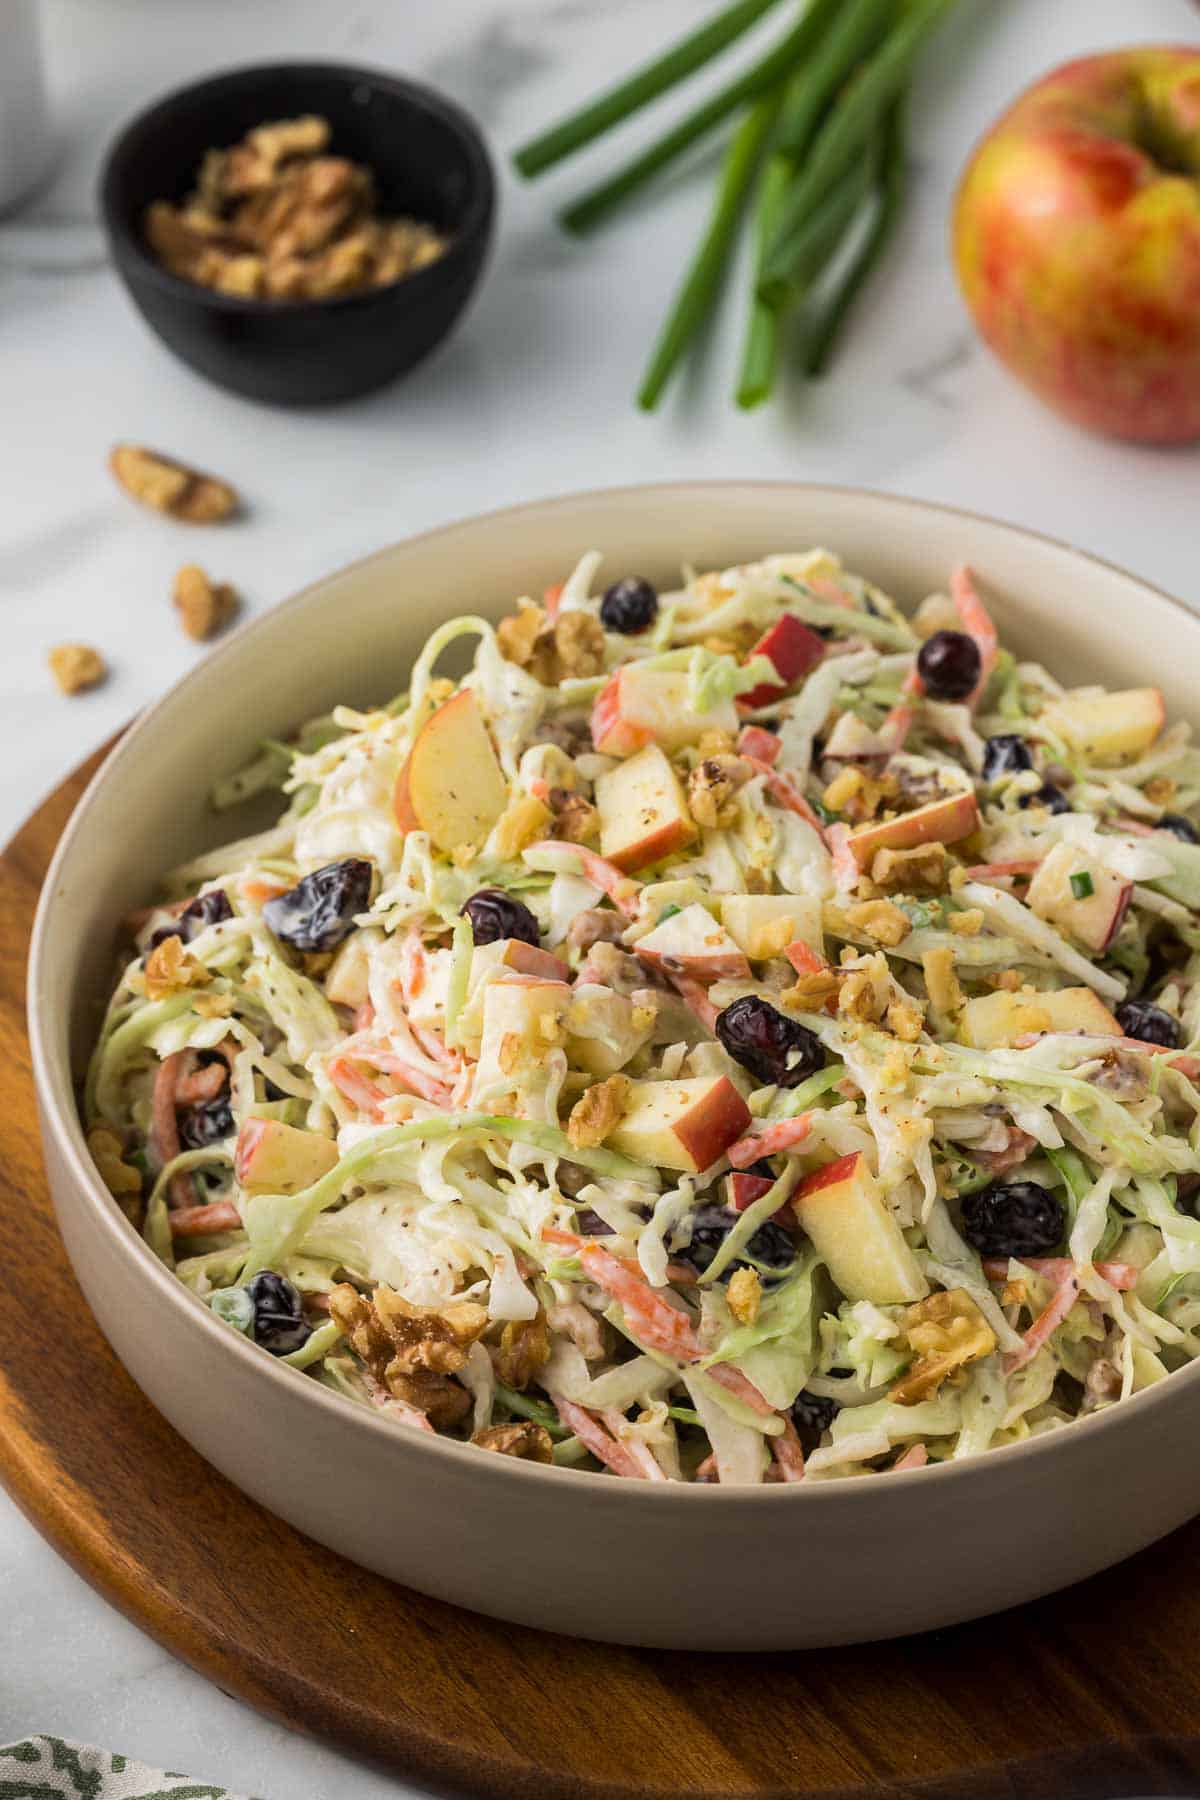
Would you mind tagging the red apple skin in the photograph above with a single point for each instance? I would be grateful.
(1078, 253)
(745, 1189)
(794, 648)
(829, 1175)
(709, 1129)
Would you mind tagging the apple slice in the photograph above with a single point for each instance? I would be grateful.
(1111, 725)
(853, 740)
(452, 785)
(274, 1158)
(942, 821)
(844, 1213)
(525, 959)
(346, 977)
(691, 943)
(683, 1125)
(1093, 916)
(604, 1028)
(643, 812)
(742, 1190)
(794, 648)
(640, 706)
(994, 1020)
(763, 925)
(523, 1018)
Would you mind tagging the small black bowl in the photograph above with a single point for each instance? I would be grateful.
(428, 160)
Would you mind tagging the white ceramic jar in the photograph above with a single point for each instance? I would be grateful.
(24, 110)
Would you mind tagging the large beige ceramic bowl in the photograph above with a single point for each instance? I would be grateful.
(694, 1567)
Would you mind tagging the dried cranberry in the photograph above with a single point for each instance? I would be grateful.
(949, 665)
(1142, 1019)
(208, 1122)
(1179, 827)
(771, 1246)
(320, 910)
(204, 910)
(495, 914)
(811, 1415)
(1017, 1218)
(279, 1324)
(762, 1168)
(1005, 754)
(629, 606)
(772, 1047)
(1049, 796)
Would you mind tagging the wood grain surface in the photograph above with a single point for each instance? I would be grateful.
(1094, 1693)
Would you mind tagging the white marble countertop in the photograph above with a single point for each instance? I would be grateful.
(532, 397)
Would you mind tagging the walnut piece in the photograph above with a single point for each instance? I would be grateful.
(744, 1294)
(880, 921)
(941, 981)
(413, 1351)
(967, 923)
(918, 871)
(598, 1112)
(579, 643)
(518, 633)
(713, 787)
(171, 487)
(524, 1348)
(275, 216)
(76, 667)
(528, 1440)
(170, 969)
(576, 820)
(944, 1331)
(203, 605)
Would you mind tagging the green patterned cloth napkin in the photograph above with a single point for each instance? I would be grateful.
(50, 1768)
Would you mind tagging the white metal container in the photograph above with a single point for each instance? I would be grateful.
(24, 107)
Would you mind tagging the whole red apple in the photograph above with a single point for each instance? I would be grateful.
(1077, 241)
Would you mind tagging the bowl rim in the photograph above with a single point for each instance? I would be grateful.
(66, 1124)
(481, 206)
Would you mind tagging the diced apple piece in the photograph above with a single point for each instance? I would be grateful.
(528, 959)
(683, 1125)
(1094, 916)
(274, 1158)
(604, 1028)
(994, 1020)
(844, 1213)
(763, 925)
(691, 942)
(643, 812)
(742, 1190)
(523, 1019)
(452, 786)
(794, 648)
(346, 977)
(640, 706)
(852, 739)
(1111, 725)
(940, 822)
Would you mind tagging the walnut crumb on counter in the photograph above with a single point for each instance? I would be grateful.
(171, 487)
(204, 606)
(76, 667)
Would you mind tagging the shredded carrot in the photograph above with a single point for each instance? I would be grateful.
(1046, 1323)
(621, 889)
(977, 624)
(259, 892)
(785, 1134)
(846, 871)
(982, 871)
(1121, 1275)
(762, 746)
(199, 1221)
(789, 1457)
(552, 599)
(603, 1446)
(787, 793)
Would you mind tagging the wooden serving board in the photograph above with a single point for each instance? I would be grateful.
(1093, 1693)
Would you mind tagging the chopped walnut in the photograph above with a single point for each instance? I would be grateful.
(744, 1294)
(171, 487)
(76, 667)
(213, 1006)
(523, 820)
(579, 642)
(598, 1112)
(918, 871)
(1160, 790)
(866, 990)
(170, 969)
(944, 1331)
(967, 923)
(906, 1020)
(519, 632)
(842, 789)
(712, 790)
(524, 1348)
(1007, 980)
(810, 992)
(527, 1440)
(414, 1351)
(119, 1177)
(715, 743)
(595, 925)
(276, 216)
(576, 820)
(880, 920)
(941, 982)
(203, 605)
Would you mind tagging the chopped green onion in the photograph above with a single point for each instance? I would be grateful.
(1082, 885)
(639, 89)
(668, 912)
